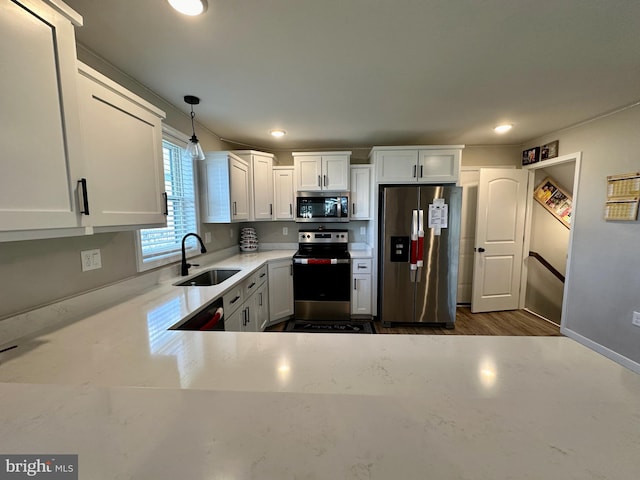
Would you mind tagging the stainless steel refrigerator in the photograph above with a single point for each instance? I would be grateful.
(419, 244)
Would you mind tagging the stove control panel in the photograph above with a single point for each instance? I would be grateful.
(323, 236)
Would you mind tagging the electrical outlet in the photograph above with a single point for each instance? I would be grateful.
(285, 231)
(91, 259)
(363, 231)
(207, 237)
(231, 233)
(636, 319)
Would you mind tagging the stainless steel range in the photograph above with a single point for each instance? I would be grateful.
(321, 275)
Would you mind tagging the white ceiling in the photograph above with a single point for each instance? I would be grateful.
(358, 73)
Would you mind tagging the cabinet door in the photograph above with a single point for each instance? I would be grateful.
(397, 166)
(239, 183)
(40, 134)
(309, 173)
(360, 193)
(234, 322)
(335, 172)
(280, 290)
(122, 143)
(259, 309)
(361, 295)
(283, 193)
(439, 166)
(262, 187)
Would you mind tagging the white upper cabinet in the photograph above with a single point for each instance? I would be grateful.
(417, 164)
(317, 171)
(122, 144)
(224, 188)
(260, 185)
(283, 193)
(361, 192)
(40, 134)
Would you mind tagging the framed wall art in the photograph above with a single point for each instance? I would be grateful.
(530, 156)
(555, 200)
(550, 150)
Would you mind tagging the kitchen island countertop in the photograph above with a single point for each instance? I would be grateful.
(135, 400)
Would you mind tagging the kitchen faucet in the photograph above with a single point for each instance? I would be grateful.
(184, 266)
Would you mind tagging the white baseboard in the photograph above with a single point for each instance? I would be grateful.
(610, 354)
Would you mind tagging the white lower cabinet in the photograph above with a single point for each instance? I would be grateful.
(233, 322)
(361, 287)
(247, 304)
(280, 290)
(257, 307)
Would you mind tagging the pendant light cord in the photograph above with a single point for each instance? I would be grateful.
(193, 127)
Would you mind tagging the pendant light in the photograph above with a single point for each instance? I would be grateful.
(193, 147)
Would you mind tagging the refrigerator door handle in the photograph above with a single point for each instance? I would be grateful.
(414, 245)
(420, 256)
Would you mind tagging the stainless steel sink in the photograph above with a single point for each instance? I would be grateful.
(208, 278)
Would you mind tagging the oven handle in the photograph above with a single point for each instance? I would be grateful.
(321, 261)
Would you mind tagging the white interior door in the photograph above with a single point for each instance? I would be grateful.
(500, 222)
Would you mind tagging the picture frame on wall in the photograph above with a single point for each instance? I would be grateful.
(550, 150)
(555, 200)
(532, 155)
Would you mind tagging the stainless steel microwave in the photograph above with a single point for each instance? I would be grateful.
(322, 207)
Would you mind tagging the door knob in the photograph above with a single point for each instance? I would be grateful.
(479, 249)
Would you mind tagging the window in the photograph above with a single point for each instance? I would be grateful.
(160, 246)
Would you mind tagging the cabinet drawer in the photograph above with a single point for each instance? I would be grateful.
(256, 279)
(233, 299)
(361, 265)
(261, 275)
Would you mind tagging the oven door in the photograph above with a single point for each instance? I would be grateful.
(321, 289)
(322, 207)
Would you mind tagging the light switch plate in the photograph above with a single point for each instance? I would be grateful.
(285, 231)
(91, 259)
(207, 237)
(636, 319)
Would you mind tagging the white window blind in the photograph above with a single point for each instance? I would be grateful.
(159, 246)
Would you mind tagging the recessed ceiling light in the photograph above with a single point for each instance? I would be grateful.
(189, 7)
(277, 133)
(503, 128)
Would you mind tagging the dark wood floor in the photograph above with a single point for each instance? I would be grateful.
(511, 323)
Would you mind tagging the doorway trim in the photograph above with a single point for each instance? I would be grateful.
(571, 157)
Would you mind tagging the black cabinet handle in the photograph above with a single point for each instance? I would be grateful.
(414, 171)
(319, 181)
(290, 209)
(252, 285)
(166, 203)
(262, 276)
(325, 180)
(270, 209)
(234, 300)
(421, 167)
(85, 196)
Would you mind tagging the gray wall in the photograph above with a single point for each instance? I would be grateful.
(604, 278)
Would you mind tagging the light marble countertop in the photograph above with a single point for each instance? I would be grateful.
(138, 401)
